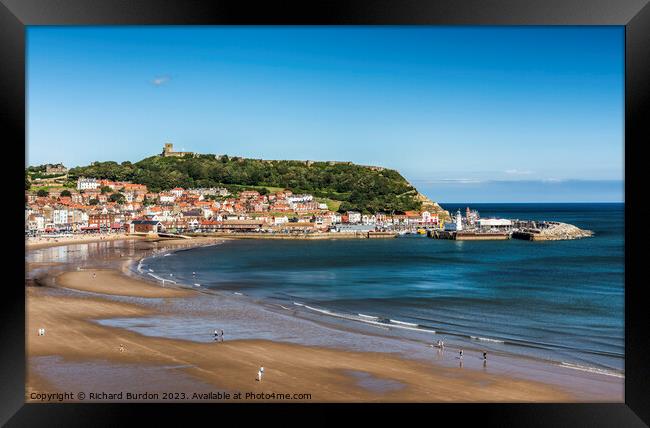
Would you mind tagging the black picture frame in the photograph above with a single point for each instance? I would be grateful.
(633, 14)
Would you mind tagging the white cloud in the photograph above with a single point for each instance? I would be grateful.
(517, 172)
(160, 80)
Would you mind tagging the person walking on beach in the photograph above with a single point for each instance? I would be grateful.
(94, 275)
(262, 370)
(461, 354)
(484, 356)
(222, 336)
(259, 376)
(216, 335)
(122, 348)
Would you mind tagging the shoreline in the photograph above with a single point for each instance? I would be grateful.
(358, 321)
(355, 321)
(104, 294)
(46, 242)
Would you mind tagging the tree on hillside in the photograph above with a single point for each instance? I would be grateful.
(105, 189)
(117, 197)
(93, 201)
(42, 193)
(66, 193)
(358, 187)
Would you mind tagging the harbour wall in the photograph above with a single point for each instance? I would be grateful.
(469, 236)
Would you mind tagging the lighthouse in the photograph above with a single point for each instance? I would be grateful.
(459, 221)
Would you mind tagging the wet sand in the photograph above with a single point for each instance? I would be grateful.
(105, 281)
(45, 242)
(70, 304)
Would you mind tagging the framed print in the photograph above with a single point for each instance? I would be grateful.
(426, 206)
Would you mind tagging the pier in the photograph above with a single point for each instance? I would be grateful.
(473, 228)
(469, 235)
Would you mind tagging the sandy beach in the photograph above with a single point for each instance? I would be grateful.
(79, 353)
(33, 243)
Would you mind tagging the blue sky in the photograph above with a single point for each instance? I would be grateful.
(498, 114)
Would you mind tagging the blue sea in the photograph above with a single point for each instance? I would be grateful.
(561, 301)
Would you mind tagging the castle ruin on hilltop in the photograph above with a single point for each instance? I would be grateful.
(168, 151)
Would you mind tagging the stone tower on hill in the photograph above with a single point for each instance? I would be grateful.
(168, 151)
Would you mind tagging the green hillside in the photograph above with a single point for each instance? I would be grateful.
(362, 188)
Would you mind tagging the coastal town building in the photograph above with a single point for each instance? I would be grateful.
(144, 226)
(60, 217)
(166, 197)
(353, 217)
(353, 228)
(84, 183)
(177, 191)
(494, 223)
(91, 208)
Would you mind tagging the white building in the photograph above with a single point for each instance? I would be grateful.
(207, 213)
(177, 191)
(166, 197)
(354, 228)
(455, 226)
(84, 183)
(299, 199)
(494, 222)
(354, 217)
(36, 223)
(368, 219)
(280, 220)
(427, 217)
(192, 224)
(60, 217)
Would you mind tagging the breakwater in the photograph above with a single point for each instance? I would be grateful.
(523, 230)
(469, 236)
(554, 232)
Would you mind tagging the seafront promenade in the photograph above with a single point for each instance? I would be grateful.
(41, 241)
(312, 235)
(520, 230)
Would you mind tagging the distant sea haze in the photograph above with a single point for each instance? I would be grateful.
(522, 191)
(560, 301)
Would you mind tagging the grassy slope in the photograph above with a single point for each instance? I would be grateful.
(341, 186)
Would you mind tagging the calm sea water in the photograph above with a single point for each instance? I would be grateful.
(561, 300)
